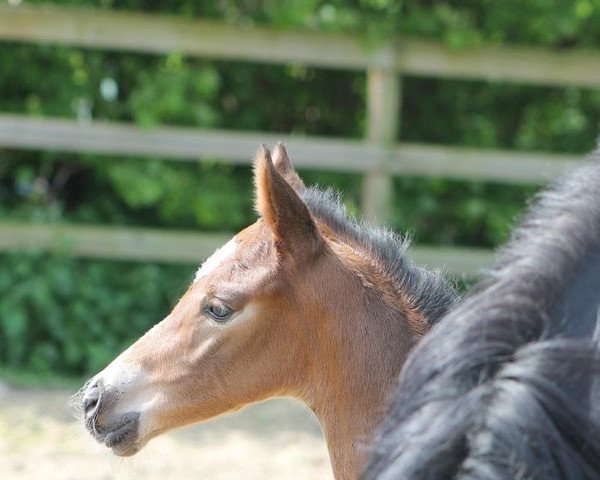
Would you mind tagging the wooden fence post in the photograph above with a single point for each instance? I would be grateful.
(383, 120)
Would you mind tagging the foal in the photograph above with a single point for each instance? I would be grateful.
(303, 303)
(506, 385)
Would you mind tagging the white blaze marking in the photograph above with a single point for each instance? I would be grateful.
(222, 254)
(121, 376)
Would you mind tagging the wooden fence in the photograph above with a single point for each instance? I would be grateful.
(378, 156)
(183, 247)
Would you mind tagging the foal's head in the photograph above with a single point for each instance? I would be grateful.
(265, 316)
(236, 336)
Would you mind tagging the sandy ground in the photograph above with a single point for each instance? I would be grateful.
(278, 439)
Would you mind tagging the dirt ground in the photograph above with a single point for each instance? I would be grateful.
(40, 440)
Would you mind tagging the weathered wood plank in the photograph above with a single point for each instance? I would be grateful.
(160, 34)
(118, 243)
(480, 164)
(188, 144)
(456, 261)
(383, 120)
(509, 64)
(140, 244)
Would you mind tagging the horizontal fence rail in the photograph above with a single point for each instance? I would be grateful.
(142, 244)
(190, 144)
(151, 33)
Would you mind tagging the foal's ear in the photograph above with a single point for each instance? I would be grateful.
(283, 210)
(284, 166)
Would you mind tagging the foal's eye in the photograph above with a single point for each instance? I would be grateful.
(218, 311)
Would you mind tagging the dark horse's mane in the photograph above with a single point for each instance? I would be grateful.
(506, 385)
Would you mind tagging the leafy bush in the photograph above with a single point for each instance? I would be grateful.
(72, 316)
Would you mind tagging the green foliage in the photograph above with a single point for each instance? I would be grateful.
(457, 213)
(176, 92)
(181, 195)
(73, 316)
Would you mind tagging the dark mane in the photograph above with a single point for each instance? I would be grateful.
(506, 385)
(431, 293)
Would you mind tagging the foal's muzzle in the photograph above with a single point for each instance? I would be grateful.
(117, 431)
(91, 399)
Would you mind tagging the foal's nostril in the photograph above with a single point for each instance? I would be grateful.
(91, 399)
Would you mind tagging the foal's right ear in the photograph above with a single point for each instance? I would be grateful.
(284, 166)
(288, 218)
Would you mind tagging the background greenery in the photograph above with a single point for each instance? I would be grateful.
(71, 316)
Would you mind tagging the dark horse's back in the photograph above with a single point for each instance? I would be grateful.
(506, 385)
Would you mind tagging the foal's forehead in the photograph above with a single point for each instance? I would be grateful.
(223, 254)
(249, 246)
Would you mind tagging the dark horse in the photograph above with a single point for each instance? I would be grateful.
(505, 386)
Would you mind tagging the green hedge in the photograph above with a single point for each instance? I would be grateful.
(72, 316)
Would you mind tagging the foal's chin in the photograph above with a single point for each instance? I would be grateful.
(125, 451)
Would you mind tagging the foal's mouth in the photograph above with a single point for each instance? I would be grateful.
(120, 435)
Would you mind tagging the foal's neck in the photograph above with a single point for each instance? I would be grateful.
(361, 355)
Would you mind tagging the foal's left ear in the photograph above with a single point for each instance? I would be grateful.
(283, 210)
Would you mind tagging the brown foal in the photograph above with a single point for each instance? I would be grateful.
(304, 303)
